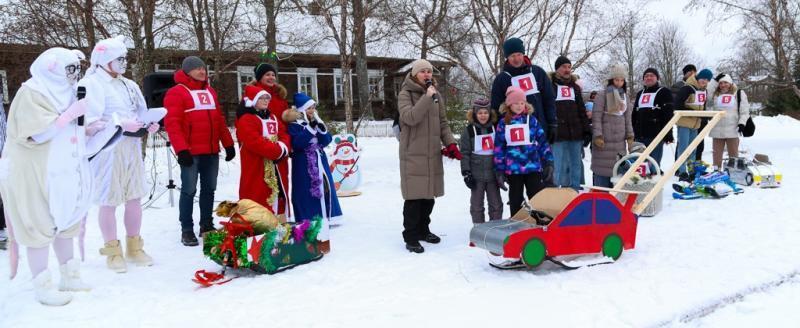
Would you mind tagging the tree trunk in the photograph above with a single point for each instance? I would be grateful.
(362, 73)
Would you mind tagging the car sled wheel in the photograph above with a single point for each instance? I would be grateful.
(534, 253)
(612, 247)
(748, 180)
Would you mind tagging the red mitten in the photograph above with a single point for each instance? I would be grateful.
(453, 152)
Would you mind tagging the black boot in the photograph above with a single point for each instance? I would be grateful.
(188, 238)
(206, 228)
(414, 246)
(431, 238)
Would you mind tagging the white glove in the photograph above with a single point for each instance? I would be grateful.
(74, 111)
(131, 125)
(153, 128)
(95, 127)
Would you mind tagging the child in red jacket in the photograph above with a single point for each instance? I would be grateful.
(264, 153)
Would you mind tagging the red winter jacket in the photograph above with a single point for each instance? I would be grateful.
(254, 150)
(198, 131)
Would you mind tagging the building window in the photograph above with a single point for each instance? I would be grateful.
(3, 87)
(338, 90)
(166, 67)
(375, 84)
(246, 75)
(307, 81)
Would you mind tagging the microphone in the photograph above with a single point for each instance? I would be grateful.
(81, 95)
(428, 84)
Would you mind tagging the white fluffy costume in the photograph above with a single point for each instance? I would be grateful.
(45, 179)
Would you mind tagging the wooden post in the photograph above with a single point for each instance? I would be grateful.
(715, 117)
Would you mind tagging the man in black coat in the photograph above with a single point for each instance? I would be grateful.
(652, 110)
(520, 72)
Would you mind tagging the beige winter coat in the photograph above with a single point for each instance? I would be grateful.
(614, 129)
(423, 133)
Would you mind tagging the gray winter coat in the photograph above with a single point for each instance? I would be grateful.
(423, 133)
(481, 166)
(614, 129)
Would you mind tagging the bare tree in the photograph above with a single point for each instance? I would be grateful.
(773, 22)
(73, 24)
(668, 52)
(630, 48)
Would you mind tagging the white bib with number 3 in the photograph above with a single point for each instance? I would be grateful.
(526, 82)
(564, 93)
(518, 134)
(484, 143)
(203, 100)
(724, 101)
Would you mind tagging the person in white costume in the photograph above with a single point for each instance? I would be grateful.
(119, 170)
(45, 178)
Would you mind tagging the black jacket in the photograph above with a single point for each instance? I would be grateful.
(648, 122)
(573, 124)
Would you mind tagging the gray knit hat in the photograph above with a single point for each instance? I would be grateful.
(192, 62)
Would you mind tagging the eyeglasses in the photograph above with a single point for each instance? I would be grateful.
(72, 69)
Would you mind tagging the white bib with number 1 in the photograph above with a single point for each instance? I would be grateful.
(518, 134)
(484, 143)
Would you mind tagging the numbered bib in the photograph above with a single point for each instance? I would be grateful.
(648, 100)
(526, 82)
(725, 101)
(203, 100)
(699, 98)
(564, 93)
(484, 143)
(518, 134)
(269, 127)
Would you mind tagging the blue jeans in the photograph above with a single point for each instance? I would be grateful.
(657, 153)
(568, 168)
(206, 167)
(685, 136)
(601, 181)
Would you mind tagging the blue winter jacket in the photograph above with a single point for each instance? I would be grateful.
(521, 159)
(543, 102)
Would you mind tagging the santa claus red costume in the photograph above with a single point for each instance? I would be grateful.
(264, 153)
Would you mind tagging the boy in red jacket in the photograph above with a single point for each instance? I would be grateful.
(196, 126)
(265, 144)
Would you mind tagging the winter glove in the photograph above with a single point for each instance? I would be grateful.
(501, 180)
(95, 127)
(74, 111)
(547, 174)
(230, 153)
(153, 128)
(552, 129)
(741, 128)
(629, 141)
(185, 158)
(469, 180)
(599, 142)
(452, 151)
(131, 126)
(669, 138)
(587, 139)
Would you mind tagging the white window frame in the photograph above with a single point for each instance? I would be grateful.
(4, 84)
(337, 73)
(308, 72)
(244, 71)
(159, 68)
(381, 84)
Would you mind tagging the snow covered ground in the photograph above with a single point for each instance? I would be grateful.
(709, 263)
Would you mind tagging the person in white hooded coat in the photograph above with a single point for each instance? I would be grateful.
(727, 97)
(45, 179)
(114, 100)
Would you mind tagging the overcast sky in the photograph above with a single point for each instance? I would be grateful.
(710, 39)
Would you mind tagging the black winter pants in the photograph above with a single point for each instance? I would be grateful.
(531, 182)
(416, 219)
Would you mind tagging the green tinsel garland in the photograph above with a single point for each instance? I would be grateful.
(314, 229)
(266, 248)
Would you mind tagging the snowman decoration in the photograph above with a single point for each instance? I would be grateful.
(344, 168)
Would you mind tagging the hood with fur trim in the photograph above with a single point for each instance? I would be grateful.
(556, 79)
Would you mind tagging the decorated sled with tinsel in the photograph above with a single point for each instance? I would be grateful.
(254, 239)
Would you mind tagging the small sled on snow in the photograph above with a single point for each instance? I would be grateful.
(576, 230)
